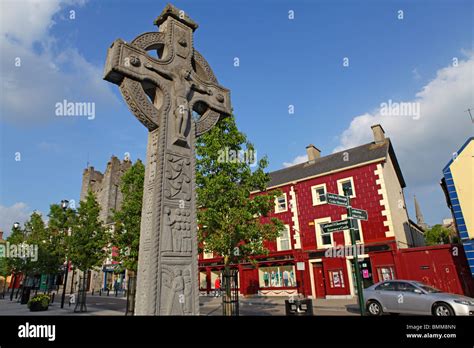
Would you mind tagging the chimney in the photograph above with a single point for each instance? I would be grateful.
(313, 152)
(1, 235)
(379, 133)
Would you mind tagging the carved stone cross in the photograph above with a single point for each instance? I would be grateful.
(164, 93)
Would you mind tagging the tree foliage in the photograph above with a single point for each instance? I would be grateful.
(60, 223)
(228, 215)
(438, 234)
(126, 235)
(87, 245)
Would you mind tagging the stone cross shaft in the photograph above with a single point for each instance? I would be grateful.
(177, 97)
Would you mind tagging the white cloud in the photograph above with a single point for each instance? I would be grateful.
(47, 75)
(18, 212)
(424, 145)
(296, 160)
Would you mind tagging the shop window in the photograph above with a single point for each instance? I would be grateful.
(214, 275)
(336, 279)
(385, 273)
(319, 194)
(281, 204)
(203, 280)
(283, 241)
(277, 276)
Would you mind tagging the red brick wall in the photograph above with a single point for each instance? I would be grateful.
(366, 198)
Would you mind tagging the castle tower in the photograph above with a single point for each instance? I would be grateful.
(106, 187)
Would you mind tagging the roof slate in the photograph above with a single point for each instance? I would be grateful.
(336, 161)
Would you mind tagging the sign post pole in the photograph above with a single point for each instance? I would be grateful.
(360, 293)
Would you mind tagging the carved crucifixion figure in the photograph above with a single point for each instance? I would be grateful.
(163, 91)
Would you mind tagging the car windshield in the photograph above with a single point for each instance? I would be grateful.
(428, 288)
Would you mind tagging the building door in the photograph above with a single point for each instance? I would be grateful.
(319, 285)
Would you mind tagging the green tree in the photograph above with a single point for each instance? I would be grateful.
(87, 245)
(438, 234)
(4, 268)
(126, 235)
(36, 236)
(229, 217)
(56, 244)
(15, 265)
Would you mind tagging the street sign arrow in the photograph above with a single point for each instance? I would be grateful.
(359, 214)
(332, 198)
(334, 226)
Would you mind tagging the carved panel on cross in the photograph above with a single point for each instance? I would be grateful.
(176, 289)
(178, 177)
(176, 232)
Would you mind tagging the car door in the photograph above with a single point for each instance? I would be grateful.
(386, 292)
(411, 301)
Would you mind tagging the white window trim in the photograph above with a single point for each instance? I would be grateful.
(339, 186)
(277, 208)
(315, 196)
(287, 227)
(317, 230)
(347, 235)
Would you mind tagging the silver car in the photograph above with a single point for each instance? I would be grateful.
(412, 297)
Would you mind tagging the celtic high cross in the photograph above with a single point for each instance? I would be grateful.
(177, 97)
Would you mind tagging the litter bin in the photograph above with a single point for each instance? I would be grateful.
(299, 307)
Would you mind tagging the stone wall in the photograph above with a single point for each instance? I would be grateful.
(105, 186)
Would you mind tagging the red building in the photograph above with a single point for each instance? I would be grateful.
(297, 261)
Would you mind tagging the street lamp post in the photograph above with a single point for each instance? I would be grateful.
(64, 205)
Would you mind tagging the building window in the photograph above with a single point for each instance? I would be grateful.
(322, 239)
(283, 241)
(277, 276)
(281, 204)
(207, 254)
(357, 231)
(203, 280)
(385, 273)
(346, 184)
(319, 194)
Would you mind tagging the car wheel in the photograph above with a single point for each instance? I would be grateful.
(442, 310)
(374, 308)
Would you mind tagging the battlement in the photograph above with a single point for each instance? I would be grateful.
(106, 186)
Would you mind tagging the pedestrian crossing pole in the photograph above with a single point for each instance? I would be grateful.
(360, 293)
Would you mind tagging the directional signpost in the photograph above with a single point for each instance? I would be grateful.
(336, 226)
(332, 198)
(348, 224)
(359, 214)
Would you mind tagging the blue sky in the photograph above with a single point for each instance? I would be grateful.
(424, 57)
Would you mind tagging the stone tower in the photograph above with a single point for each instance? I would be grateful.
(420, 221)
(105, 186)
